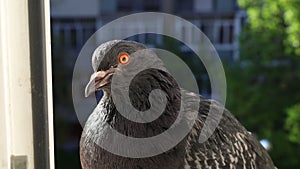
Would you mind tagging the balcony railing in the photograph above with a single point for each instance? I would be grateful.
(223, 33)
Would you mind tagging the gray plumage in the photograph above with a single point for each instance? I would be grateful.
(230, 146)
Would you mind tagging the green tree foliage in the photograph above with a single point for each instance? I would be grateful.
(293, 123)
(263, 86)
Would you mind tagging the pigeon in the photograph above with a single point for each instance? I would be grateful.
(229, 146)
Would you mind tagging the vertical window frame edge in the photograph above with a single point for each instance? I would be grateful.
(38, 69)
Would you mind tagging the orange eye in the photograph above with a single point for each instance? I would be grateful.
(124, 58)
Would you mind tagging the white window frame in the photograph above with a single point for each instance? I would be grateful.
(26, 108)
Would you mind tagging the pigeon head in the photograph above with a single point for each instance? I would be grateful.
(121, 58)
(109, 58)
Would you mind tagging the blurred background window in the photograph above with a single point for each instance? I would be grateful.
(203, 6)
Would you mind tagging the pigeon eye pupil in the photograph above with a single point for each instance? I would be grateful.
(124, 58)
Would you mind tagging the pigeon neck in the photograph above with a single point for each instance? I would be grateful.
(139, 90)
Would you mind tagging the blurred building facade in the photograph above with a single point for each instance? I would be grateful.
(221, 20)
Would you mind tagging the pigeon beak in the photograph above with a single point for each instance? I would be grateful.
(98, 80)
